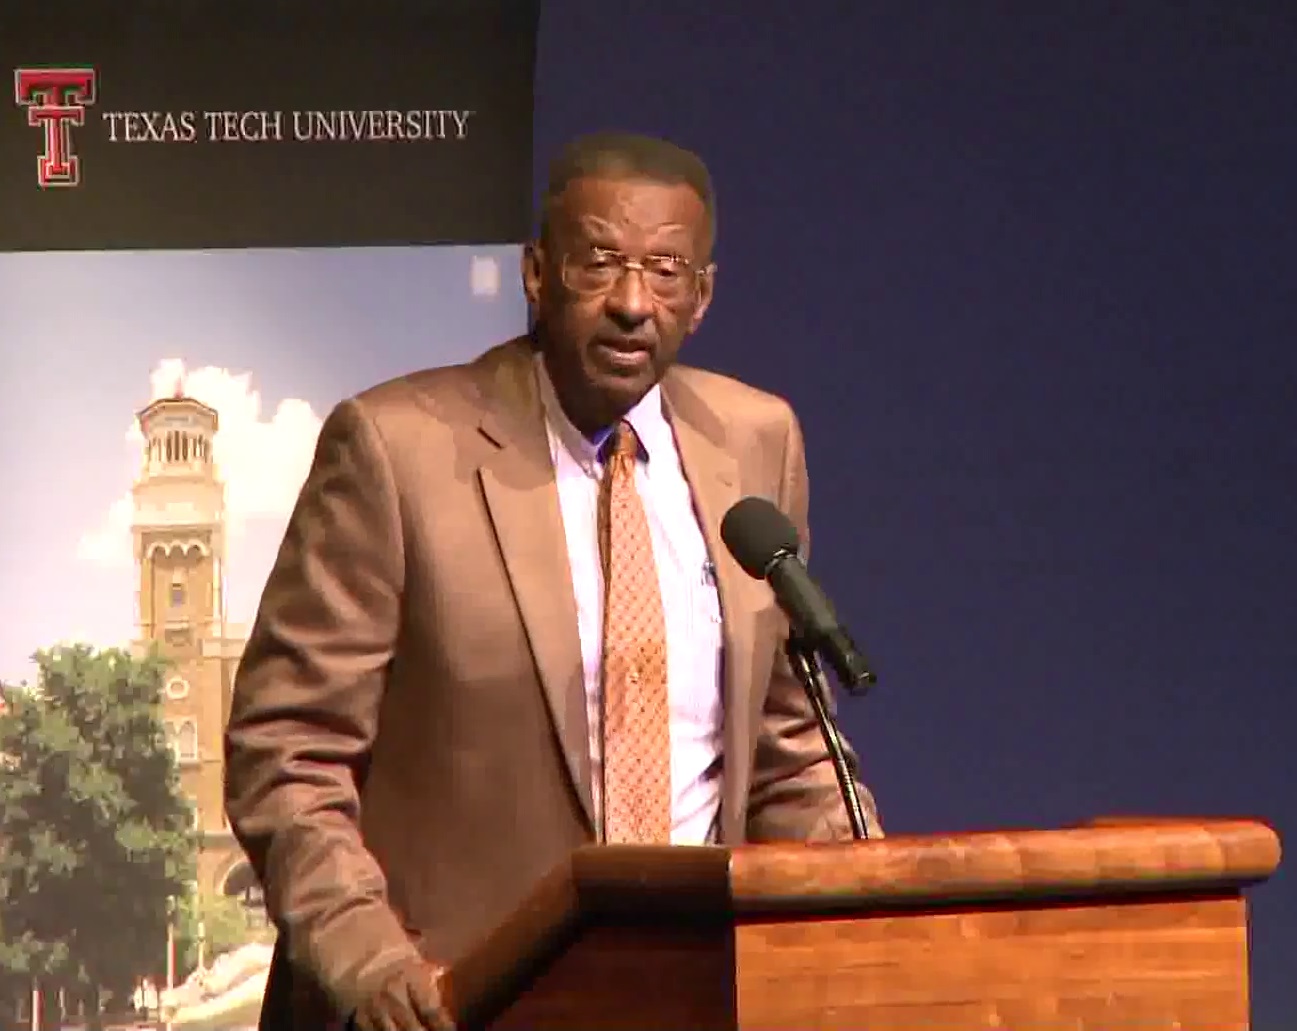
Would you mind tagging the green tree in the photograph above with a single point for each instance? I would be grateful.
(222, 923)
(95, 830)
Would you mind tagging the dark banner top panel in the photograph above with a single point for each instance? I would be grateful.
(276, 125)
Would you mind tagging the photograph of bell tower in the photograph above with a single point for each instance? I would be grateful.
(179, 531)
(189, 429)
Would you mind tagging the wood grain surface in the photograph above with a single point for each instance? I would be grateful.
(1122, 924)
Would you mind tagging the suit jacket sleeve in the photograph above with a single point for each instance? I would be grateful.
(794, 791)
(305, 710)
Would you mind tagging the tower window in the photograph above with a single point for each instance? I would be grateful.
(182, 736)
(177, 596)
(187, 741)
(177, 688)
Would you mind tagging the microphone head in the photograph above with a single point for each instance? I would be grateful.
(757, 533)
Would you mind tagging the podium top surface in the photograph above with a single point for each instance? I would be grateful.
(1103, 857)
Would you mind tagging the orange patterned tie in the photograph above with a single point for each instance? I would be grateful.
(636, 727)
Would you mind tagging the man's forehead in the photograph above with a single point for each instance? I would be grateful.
(630, 203)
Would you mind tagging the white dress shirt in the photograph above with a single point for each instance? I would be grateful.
(689, 600)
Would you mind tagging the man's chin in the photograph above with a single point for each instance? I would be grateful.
(621, 391)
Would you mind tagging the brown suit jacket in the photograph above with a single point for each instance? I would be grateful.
(406, 754)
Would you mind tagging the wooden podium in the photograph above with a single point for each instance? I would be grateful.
(1117, 925)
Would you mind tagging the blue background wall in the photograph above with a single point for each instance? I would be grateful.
(1026, 271)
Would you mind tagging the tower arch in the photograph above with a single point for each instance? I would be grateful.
(240, 883)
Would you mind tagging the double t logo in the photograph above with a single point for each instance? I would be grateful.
(56, 100)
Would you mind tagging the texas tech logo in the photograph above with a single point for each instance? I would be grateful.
(56, 100)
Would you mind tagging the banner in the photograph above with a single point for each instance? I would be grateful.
(274, 125)
(217, 220)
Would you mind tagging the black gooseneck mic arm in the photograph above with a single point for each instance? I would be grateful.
(764, 542)
(806, 665)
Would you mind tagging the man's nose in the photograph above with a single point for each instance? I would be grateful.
(629, 301)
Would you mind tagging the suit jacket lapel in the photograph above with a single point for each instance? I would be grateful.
(712, 473)
(522, 498)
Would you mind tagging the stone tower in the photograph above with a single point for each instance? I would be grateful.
(179, 531)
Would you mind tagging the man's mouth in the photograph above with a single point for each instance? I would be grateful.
(628, 355)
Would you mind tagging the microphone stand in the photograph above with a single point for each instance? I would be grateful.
(806, 665)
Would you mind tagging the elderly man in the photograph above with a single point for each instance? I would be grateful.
(502, 623)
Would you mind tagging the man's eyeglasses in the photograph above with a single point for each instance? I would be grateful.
(669, 278)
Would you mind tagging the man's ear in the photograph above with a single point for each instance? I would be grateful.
(706, 285)
(533, 263)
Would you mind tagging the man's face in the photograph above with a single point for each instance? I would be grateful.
(609, 333)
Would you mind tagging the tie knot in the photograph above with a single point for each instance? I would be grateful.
(624, 444)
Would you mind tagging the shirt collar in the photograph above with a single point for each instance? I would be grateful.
(647, 419)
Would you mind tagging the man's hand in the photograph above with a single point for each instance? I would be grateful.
(409, 1000)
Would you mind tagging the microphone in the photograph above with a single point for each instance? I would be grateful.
(764, 542)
